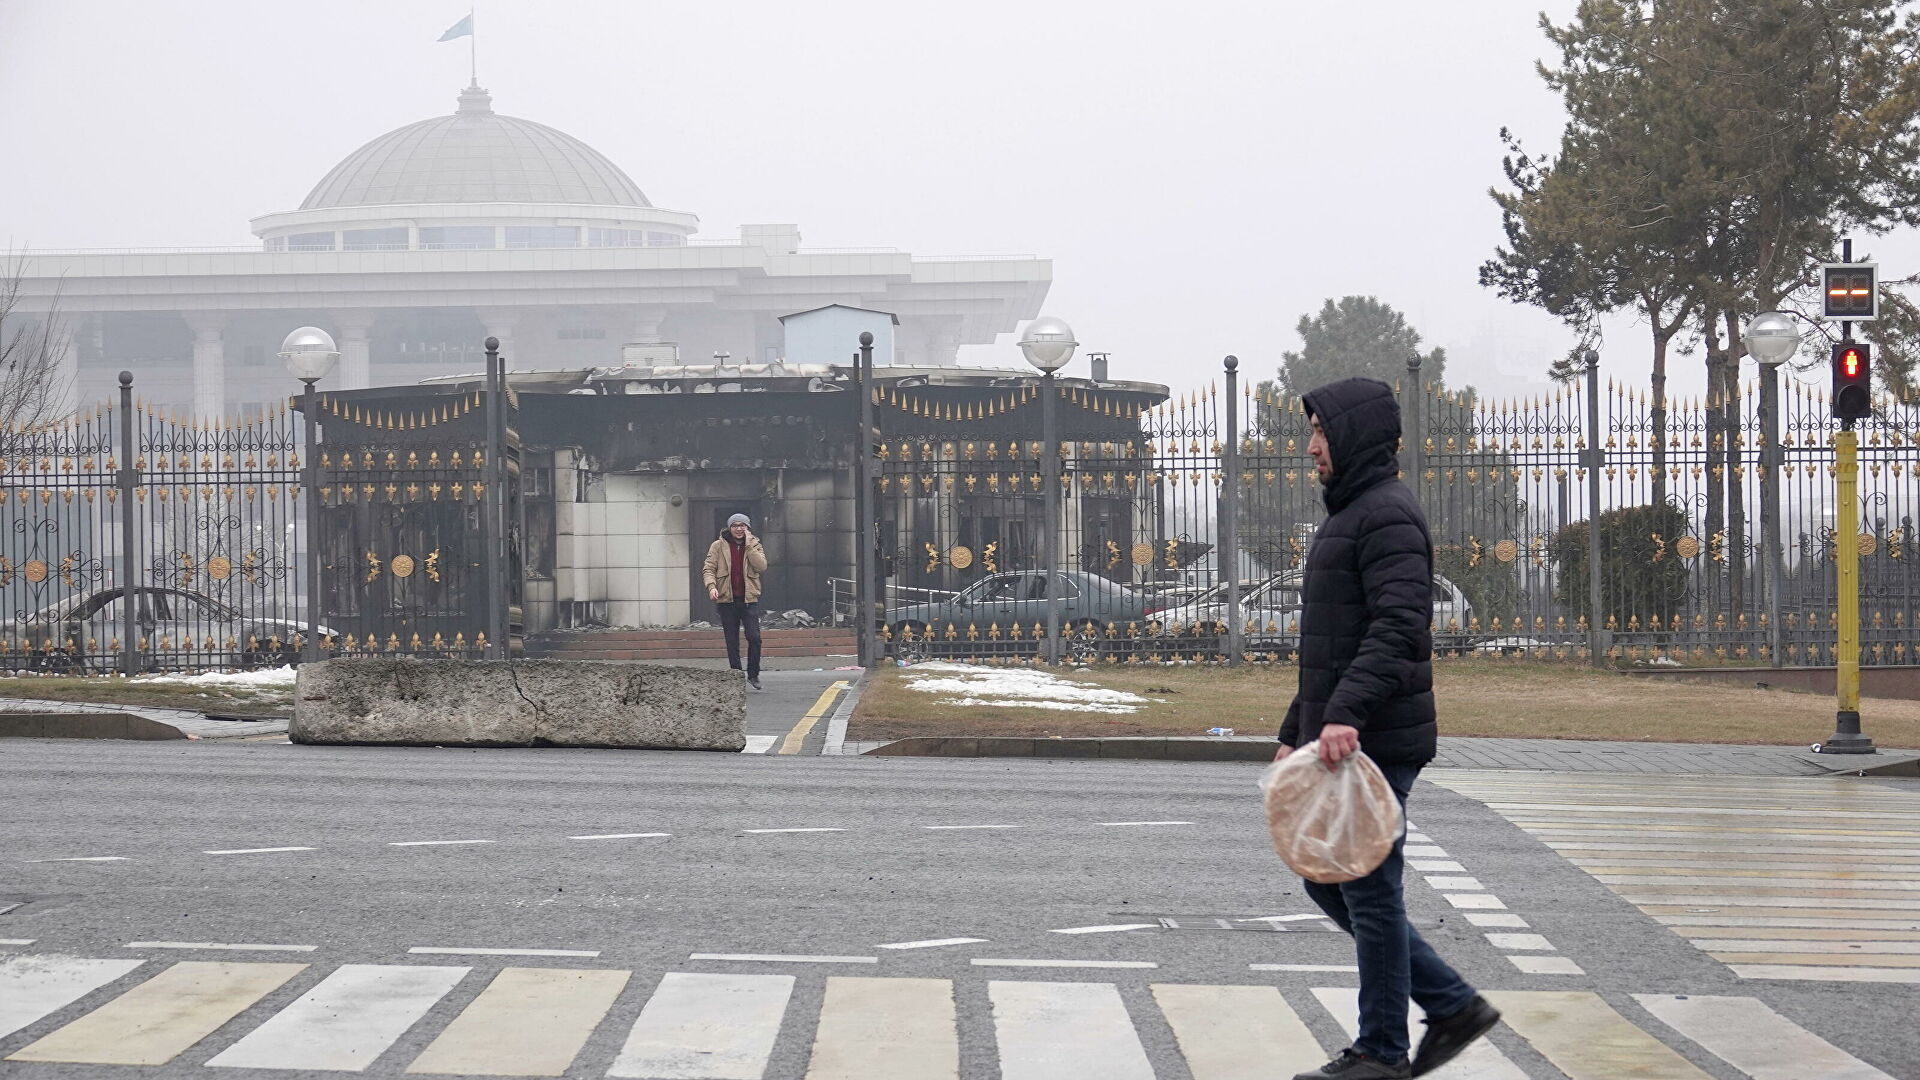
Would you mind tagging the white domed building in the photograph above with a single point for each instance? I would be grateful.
(425, 241)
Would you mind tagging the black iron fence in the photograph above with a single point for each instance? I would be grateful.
(1714, 520)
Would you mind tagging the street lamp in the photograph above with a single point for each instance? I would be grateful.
(1772, 337)
(1048, 346)
(310, 354)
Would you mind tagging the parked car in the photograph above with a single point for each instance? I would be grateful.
(1020, 598)
(1272, 607)
(175, 624)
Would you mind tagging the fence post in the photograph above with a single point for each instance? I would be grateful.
(492, 522)
(126, 479)
(1596, 458)
(1230, 514)
(864, 511)
(1414, 423)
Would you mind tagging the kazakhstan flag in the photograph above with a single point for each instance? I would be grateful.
(463, 28)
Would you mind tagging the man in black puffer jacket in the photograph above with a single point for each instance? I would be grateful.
(1366, 683)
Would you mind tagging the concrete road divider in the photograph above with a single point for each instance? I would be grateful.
(410, 702)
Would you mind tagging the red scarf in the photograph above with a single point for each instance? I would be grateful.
(738, 548)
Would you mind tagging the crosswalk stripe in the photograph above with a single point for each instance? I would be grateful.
(1851, 945)
(161, 1018)
(886, 1029)
(1065, 1031)
(1237, 1032)
(527, 1022)
(1586, 1039)
(706, 1027)
(346, 1021)
(1481, 1060)
(33, 987)
(1753, 1038)
(1817, 973)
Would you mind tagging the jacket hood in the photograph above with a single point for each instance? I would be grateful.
(1362, 420)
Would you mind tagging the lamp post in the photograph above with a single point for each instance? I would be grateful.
(1048, 346)
(310, 354)
(1772, 338)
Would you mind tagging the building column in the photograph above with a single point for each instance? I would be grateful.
(356, 349)
(209, 363)
(63, 347)
(940, 345)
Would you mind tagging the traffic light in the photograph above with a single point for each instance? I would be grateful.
(1849, 291)
(1852, 380)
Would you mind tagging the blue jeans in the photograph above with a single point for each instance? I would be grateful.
(1395, 964)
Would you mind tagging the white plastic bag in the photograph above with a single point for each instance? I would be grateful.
(1330, 825)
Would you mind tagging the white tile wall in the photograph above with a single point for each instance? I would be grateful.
(624, 584)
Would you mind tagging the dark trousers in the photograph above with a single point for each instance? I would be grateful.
(1395, 963)
(734, 617)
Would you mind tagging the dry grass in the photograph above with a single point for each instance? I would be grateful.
(113, 690)
(1490, 697)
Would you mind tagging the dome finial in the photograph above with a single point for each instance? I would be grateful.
(475, 101)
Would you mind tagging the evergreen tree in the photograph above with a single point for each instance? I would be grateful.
(1355, 336)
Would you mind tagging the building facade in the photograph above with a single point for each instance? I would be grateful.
(435, 236)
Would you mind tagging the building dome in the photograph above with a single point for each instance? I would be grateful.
(475, 156)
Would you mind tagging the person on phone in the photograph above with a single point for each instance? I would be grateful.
(732, 575)
(1366, 683)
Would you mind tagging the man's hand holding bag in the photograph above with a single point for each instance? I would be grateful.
(1330, 823)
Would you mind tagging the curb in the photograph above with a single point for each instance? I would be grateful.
(835, 744)
(1144, 748)
(111, 721)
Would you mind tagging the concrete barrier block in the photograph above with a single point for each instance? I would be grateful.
(584, 703)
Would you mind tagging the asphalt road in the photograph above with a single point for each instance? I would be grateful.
(402, 848)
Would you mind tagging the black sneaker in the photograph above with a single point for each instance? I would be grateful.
(1351, 1064)
(1448, 1035)
(755, 683)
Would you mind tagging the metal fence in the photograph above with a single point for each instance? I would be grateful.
(1714, 520)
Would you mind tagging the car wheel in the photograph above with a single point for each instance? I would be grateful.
(61, 662)
(910, 642)
(284, 656)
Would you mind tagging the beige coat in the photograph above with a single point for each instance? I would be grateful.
(718, 573)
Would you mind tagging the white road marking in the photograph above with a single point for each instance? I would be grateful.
(1520, 942)
(1494, 918)
(780, 958)
(1066, 963)
(933, 943)
(1462, 883)
(760, 744)
(1065, 1031)
(1303, 967)
(1479, 901)
(1751, 1037)
(620, 836)
(1786, 923)
(1285, 918)
(527, 1022)
(973, 826)
(344, 1022)
(254, 850)
(882, 1029)
(86, 858)
(1584, 1037)
(1114, 928)
(1424, 851)
(436, 843)
(1417, 838)
(1236, 1032)
(706, 1027)
(1546, 965)
(1146, 823)
(1730, 900)
(1481, 1060)
(790, 830)
(1816, 973)
(1438, 866)
(158, 1020)
(424, 950)
(35, 987)
(16, 941)
(217, 945)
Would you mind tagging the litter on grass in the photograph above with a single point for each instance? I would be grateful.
(1018, 688)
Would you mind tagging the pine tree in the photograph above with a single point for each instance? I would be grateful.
(1356, 336)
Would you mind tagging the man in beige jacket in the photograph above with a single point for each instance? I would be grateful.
(732, 575)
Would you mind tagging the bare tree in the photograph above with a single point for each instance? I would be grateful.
(33, 382)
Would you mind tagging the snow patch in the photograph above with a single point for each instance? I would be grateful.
(264, 678)
(1021, 688)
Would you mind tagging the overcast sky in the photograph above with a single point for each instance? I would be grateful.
(1200, 174)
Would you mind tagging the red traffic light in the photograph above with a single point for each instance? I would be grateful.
(1852, 380)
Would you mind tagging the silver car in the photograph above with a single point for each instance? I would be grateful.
(1271, 610)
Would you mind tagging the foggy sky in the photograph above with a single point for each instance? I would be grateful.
(1201, 174)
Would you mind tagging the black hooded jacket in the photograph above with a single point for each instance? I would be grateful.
(1366, 639)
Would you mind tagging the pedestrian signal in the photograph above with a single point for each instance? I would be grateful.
(1849, 291)
(1852, 380)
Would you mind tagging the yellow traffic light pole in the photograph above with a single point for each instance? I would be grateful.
(1846, 737)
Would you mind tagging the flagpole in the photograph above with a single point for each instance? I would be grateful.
(473, 53)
